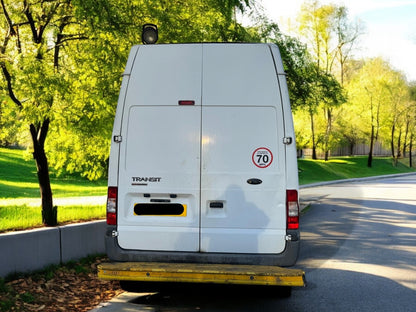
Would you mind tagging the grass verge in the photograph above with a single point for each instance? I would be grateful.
(14, 218)
(338, 168)
(20, 190)
(18, 179)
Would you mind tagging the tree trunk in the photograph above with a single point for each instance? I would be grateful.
(392, 140)
(410, 150)
(370, 154)
(393, 128)
(313, 137)
(406, 133)
(49, 212)
(399, 144)
(328, 132)
(352, 148)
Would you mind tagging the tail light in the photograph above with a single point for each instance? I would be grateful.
(292, 206)
(112, 205)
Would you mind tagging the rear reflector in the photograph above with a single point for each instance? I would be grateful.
(292, 207)
(112, 205)
(186, 102)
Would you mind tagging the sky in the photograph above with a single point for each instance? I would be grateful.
(390, 27)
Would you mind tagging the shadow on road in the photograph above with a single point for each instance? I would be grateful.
(331, 290)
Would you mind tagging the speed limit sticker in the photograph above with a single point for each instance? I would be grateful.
(262, 157)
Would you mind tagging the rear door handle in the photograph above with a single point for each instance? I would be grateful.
(216, 205)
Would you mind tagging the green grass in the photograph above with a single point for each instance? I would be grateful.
(18, 182)
(13, 218)
(338, 168)
(18, 179)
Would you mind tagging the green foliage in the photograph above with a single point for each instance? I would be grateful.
(27, 297)
(330, 38)
(12, 130)
(380, 99)
(6, 305)
(6, 295)
(3, 286)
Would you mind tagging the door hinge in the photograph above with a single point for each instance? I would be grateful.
(117, 138)
(287, 140)
(114, 233)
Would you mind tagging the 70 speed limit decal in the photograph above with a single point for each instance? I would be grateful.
(262, 157)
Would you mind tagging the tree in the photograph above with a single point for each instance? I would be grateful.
(331, 37)
(399, 95)
(34, 34)
(332, 96)
(347, 34)
(410, 119)
(371, 93)
(315, 24)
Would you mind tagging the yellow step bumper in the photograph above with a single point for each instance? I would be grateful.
(201, 273)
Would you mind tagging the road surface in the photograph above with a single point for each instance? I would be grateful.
(358, 251)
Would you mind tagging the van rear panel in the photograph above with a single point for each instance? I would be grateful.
(201, 166)
(252, 215)
(160, 167)
(165, 74)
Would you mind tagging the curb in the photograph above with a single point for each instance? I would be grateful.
(33, 250)
(356, 180)
(304, 204)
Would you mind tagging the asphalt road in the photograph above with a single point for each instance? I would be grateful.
(358, 251)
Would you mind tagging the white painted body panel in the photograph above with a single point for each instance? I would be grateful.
(160, 142)
(251, 213)
(204, 153)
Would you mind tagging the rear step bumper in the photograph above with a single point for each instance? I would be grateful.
(201, 273)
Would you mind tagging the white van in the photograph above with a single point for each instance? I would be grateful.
(203, 158)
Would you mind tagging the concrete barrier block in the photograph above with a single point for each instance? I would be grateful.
(29, 250)
(82, 239)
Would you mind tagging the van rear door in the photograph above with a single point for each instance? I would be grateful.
(208, 176)
(243, 155)
(159, 169)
